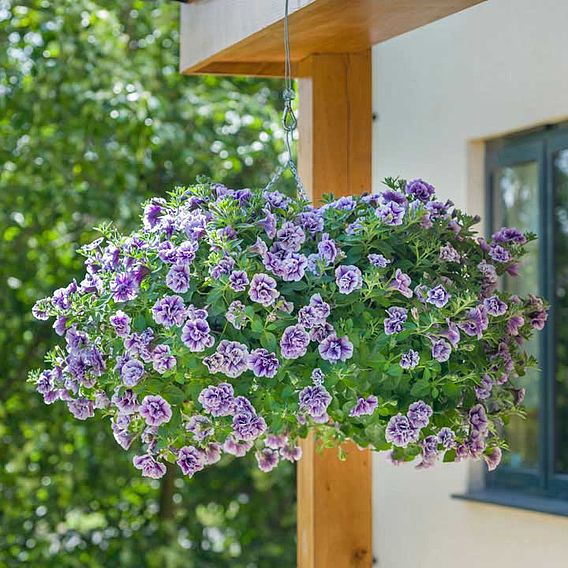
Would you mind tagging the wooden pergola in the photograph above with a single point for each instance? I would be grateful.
(331, 44)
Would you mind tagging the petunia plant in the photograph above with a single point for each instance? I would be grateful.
(238, 321)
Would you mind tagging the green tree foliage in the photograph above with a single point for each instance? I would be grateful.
(94, 117)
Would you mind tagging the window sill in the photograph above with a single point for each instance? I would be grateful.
(516, 500)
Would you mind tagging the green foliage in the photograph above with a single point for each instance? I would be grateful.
(94, 117)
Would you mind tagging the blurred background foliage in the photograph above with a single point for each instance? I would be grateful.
(94, 117)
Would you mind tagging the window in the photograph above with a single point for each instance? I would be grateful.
(527, 187)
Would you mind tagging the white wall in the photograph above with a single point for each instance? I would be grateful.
(439, 92)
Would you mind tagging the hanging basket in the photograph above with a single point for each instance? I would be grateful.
(235, 321)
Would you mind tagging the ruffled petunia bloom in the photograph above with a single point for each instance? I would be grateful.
(263, 289)
(410, 359)
(162, 359)
(121, 323)
(169, 311)
(235, 357)
(267, 459)
(401, 283)
(348, 278)
(132, 372)
(334, 349)
(419, 189)
(394, 323)
(400, 431)
(441, 350)
(365, 406)
(495, 306)
(81, 408)
(124, 287)
(190, 460)
(263, 363)
(438, 296)
(155, 410)
(218, 400)
(419, 414)
(328, 249)
(378, 260)
(177, 279)
(238, 280)
(294, 342)
(149, 466)
(314, 400)
(196, 335)
(290, 237)
(475, 323)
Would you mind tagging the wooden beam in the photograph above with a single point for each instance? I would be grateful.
(244, 37)
(335, 119)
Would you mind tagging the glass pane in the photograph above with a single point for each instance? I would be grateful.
(560, 181)
(518, 206)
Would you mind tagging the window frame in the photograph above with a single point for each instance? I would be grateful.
(538, 146)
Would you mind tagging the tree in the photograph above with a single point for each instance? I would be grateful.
(94, 117)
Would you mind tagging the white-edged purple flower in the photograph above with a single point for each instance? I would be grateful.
(391, 213)
(441, 350)
(499, 253)
(200, 427)
(314, 400)
(236, 315)
(263, 363)
(149, 466)
(327, 249)
(395, 321)
(410, 359)
(509, 235)
(82, 408)
(438, 296)
(365, 406)
(235, 358)
(169, 311)
(495, 306)
(514, 324)
(476, 322)
(275, 441)
(196, 335)
(237, 448)
(224, 266)
(267, 459)
(294, 342)
(218, 400)
(162, 359)
(248, 426)
(419, 189)
(348, 278)
(263, 289)
(334, 349)
(483, 390)
(449, 254)
(378, 260)
(493, 458)
(121, 323)
(400, 431)
(446, 437)
(155, 410)
(291, 453)
(293, 267)
(452, 334)
(478, 418)
(190, 460)
(238, 280)
(419, 414)
(124, 287)
(401, 283)
(290, 237)
(311, 221)
(177, 279)
(131, 372)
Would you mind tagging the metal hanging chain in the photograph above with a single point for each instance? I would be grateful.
(289, 120)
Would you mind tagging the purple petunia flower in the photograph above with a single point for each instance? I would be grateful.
(218, 400)
(328, 249)
(196, 335)
(476, 322)
(290, 237)
(275, 442)
(410, 359)
(236, 315)
(291, 453)
(401, 283)
(269, 225)
(152, 212)
(200, 426)
(131, 372)
(169, 311)
(267, 459)
(238, 448)
(293, 267)
(248, 426)
(235, 358)
(394, 323)
(81, 408)
(263, 363)
(121, 323)
(449, 254)
(190, 460)
(478, 418)
(263, 289)
(419, 414)
(509, 235)
(441, 350)
(224, 266)
(400, 431)
(495, 306)
(177, 279)
(311, 221)
(391, 213)
(452, 334)
(124, 287)
(314, 400)
(419, 189)
(211, 454)
(514, 324)
(348, 278)
(294, 342)
(238, 280)
(483, 390)
(499, 253)
(155, 410)
(149, 466)
(127, 403)
(162, 359)
(493, 458)
(364, 406)
(185, 252)
(438, 296)
(334, 348)
(378, 260)
(446, 437)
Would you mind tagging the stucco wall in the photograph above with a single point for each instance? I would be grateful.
(438, 93)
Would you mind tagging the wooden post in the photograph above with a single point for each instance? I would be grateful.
(335, 118)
